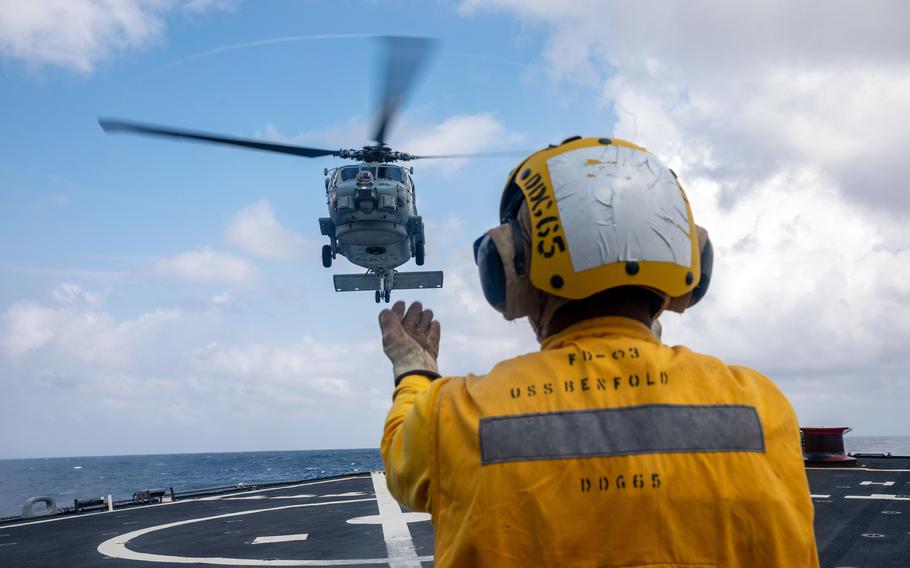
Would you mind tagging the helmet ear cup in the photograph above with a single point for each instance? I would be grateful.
(707, 266)
(490, 264)
(492, 272)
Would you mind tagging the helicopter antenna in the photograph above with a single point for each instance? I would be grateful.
(404, 57)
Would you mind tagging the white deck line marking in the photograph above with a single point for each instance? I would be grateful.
(279, 538)
(300, 496)
(885, 483)
(310, 495)
(245, 498)
(819, 496)
(116, 547)
(377, 519)
(394, 527)
(182, 501)
(881, 496)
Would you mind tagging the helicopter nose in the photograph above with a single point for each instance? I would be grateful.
(366, 205)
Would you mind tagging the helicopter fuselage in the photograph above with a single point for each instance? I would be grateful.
(373, 220)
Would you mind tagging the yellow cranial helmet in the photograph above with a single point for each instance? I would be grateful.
(604, 213)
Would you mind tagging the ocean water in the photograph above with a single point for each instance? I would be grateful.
(895, 445)
(66, 479)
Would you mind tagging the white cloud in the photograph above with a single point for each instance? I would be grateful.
(459, 134)
(709, 87)
(28, 326)
(802, 263)
(147, 373)
(77, 34)
(256, 230)
(69, 293)
(325, 367)
(206, 266)
(76, 332)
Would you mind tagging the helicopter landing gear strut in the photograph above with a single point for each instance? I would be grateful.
(385, 287)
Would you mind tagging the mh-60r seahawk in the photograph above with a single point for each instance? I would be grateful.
(373, 219)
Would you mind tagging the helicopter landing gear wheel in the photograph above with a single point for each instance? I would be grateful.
(419, 254)
(326, 256)
(387, 296)
(378, 296)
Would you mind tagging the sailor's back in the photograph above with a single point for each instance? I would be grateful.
(608, 448)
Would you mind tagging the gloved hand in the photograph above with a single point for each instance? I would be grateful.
(410, 340)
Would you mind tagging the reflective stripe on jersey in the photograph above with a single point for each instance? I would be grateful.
(646, 429)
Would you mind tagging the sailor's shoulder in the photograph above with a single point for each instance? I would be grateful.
(760, 381)
(680, 355)
(709, 366)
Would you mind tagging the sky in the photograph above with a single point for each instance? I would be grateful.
(160, 297)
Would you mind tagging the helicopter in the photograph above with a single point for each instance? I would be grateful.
(373, 219)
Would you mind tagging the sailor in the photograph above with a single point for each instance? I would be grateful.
(607, 447)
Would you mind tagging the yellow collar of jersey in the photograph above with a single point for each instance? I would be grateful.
(598, 327)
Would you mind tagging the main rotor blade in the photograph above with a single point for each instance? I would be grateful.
(478, 155)
(113, 125)
(403, 59)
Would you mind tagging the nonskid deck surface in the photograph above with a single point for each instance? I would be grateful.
(862, 514)
(862, 520)
(348, 521)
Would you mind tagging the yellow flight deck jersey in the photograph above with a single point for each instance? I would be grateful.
(606, 448)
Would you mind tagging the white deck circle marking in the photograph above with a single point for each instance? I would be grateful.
(116, 547)
(377, 519)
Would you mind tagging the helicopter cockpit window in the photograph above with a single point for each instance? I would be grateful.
(349, 173)
(391, 172)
